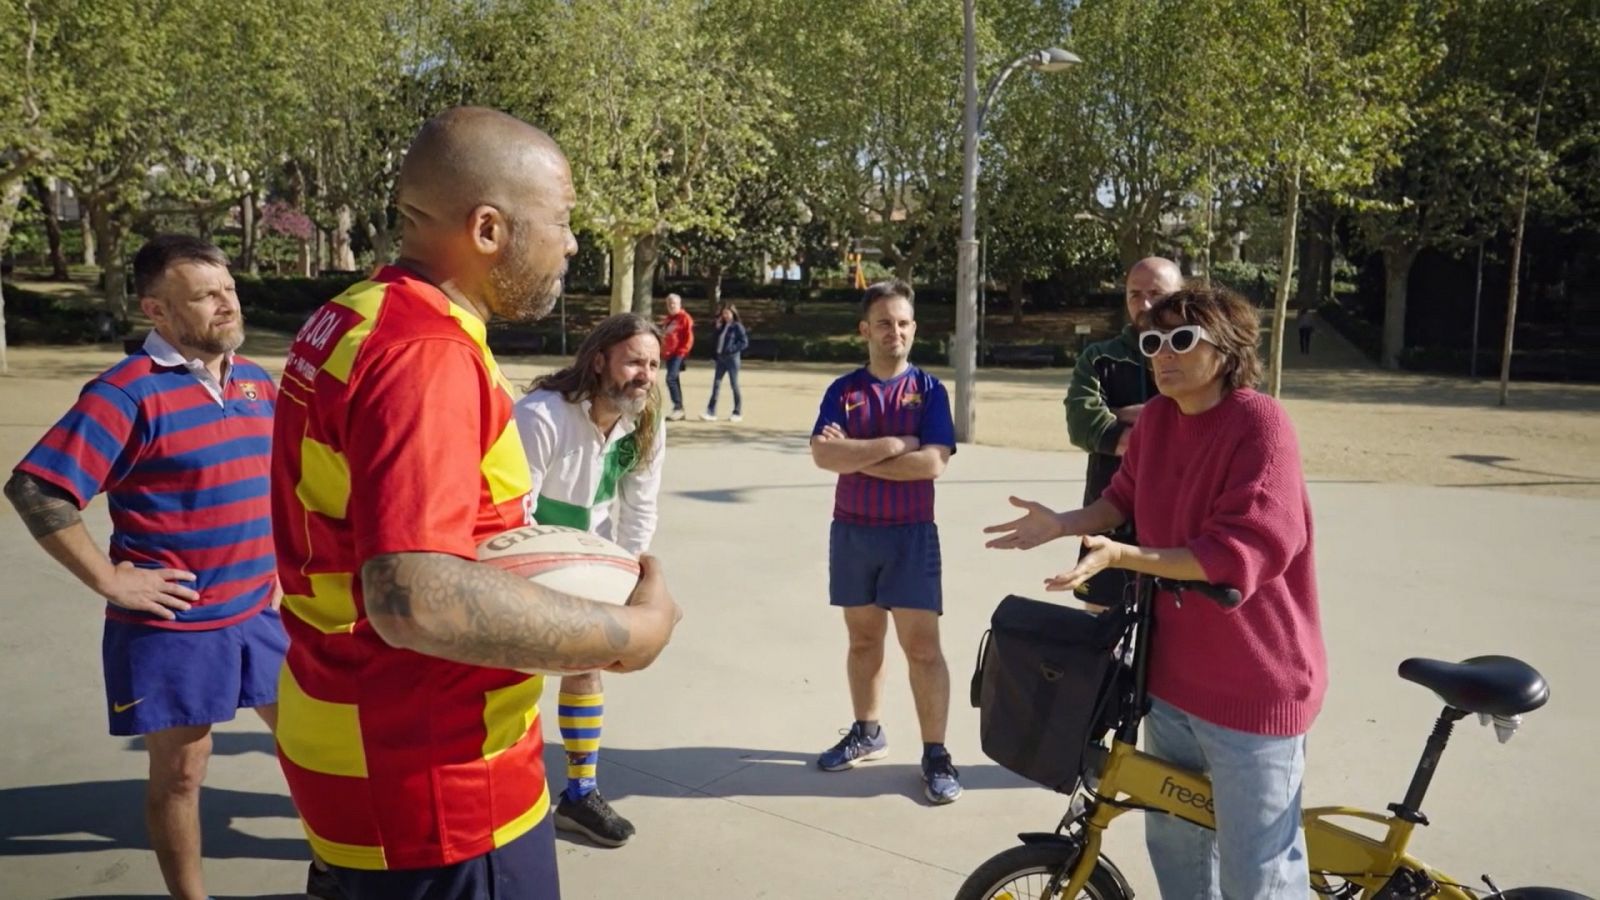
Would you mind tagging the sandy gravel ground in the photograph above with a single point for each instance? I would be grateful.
(1356, 422)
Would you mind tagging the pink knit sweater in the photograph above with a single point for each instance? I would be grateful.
(1226, 484)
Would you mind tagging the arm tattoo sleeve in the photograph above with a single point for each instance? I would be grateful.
(473, 613)
(45, 508)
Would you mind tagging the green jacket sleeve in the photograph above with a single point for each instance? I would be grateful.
(1091, 425)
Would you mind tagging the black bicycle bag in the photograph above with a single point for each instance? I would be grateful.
(1048, 684)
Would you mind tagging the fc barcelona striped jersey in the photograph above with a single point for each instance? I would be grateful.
(394, 435)
(912, 403)
(184, 473)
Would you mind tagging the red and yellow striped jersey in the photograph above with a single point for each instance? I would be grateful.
(394, 434)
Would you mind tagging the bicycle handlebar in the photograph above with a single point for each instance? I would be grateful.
(1225, 596)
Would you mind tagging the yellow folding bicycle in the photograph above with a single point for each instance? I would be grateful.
(1119, 779)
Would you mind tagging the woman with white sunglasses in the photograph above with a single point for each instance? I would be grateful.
(1213, 481)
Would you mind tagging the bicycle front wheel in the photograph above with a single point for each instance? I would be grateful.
(1027, 873)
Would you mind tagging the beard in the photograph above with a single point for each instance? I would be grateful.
(520, 293)
(225, 339)
(630, 406)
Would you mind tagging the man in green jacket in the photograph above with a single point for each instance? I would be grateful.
(1109, 387)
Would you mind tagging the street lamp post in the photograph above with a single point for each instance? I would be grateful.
(966, 344)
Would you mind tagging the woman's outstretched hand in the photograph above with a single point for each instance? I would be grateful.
(1102, 553)
(1038, 526)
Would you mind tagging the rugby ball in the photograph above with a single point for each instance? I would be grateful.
(569, 560)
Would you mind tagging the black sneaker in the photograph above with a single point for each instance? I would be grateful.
(593, 818)
(321, 885)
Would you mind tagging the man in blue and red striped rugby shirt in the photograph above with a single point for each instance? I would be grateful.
(178, 437)
(886, 429)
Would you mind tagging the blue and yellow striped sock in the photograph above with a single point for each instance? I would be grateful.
(580, 716)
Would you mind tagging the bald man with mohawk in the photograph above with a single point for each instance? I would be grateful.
(411, 743)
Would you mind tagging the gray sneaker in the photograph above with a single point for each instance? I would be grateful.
(856, 747)
(939, 782)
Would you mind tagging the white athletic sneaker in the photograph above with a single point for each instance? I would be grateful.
(708, 417)
(676, 416)
(736, 418)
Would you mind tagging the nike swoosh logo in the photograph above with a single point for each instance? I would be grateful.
(124, 707)
(853, 406)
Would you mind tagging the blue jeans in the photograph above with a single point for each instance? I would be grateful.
(1258, 850)
(674, 389)
(728, 365)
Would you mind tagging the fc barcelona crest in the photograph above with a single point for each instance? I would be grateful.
(908, 401)
(248, 389)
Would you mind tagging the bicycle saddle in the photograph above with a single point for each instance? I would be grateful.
(1495, 685)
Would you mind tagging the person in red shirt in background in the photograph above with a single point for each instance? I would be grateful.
(1213, 482)
(678, 329)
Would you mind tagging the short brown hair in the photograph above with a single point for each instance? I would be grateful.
(1233, 323)
(167, 250)
(892, 287)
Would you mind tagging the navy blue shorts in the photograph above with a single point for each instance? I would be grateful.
(524, 869)
(159, 678)
(891, 566)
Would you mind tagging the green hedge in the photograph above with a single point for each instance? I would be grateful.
(1367, 337)
(299, 296)
(1526, 365)
(34, 318)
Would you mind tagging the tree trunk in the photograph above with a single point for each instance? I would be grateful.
(303, 263)
(202, 224)
(44, 191)
(1211, 218)
(1325, 271)
(248, 233)
(621, 273)
(10, 196)
(319, 250)
(87, 215)
(646, 253)
(1018, 297)
(1280, 306)
(382, 236)
(344, 257)
(108, 237)
(903, 267)
(714, 284)
(1314, 254)
(1516, 249)
(1397, 262)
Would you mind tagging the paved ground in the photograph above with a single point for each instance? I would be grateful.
(710, 751)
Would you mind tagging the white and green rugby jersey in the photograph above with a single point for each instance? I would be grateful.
(585, 479)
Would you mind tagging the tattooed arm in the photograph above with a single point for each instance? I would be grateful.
(469, 612)
(52, 518)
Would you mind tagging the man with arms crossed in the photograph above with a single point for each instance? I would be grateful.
(595, 442)
(411, 746)
(177, 437)
(1109, 387)
(886, 429)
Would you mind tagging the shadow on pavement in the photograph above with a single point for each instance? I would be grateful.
(104, 815)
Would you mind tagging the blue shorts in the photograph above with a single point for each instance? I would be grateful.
(159, 678)
(524, 869)
(891, 566)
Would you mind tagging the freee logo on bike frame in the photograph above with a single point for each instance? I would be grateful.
(1185, 796)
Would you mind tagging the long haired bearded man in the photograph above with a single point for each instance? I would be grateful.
(595, 440)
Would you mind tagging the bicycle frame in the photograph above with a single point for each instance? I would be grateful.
(1131, 780)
